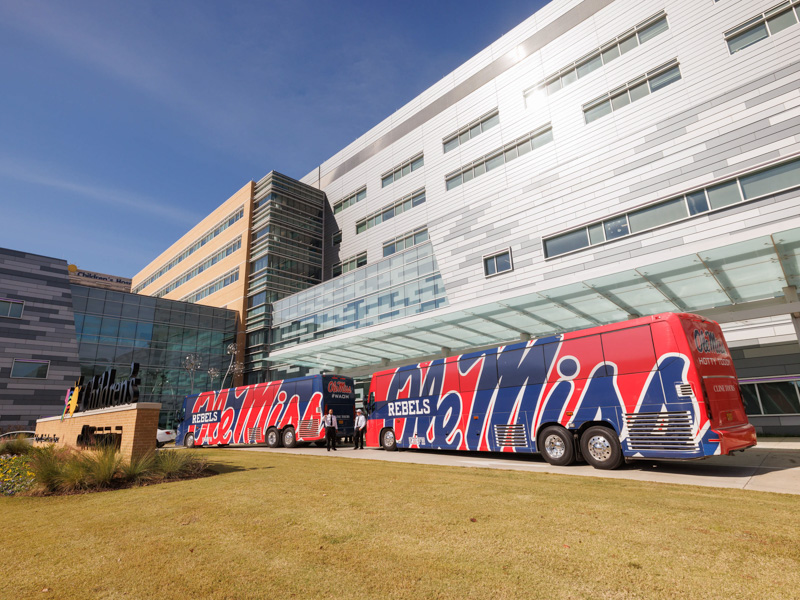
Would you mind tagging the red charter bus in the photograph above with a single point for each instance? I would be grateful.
(662, 386)
(276, 413)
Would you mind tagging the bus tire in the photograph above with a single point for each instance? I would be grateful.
(289, 438)
(556, 446)
(273, 438)
(188, 441)
(600, 447)
(388, 441)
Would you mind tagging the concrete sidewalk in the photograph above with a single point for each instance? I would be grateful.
(772, 466)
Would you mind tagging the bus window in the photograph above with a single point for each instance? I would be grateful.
(474, 376)
(520, 364)
(580, 357)
(289, 389)
(380, 386)
(305, 389)
(631, 350)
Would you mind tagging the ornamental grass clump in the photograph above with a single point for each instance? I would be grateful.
(138, 469)
(65, 471)
(15, 447)
(170, 464)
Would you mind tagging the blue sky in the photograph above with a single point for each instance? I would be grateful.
(122, 124)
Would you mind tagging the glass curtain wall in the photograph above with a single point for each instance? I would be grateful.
(115, 329)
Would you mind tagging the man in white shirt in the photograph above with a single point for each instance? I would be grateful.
(361, 429)
(331, 426)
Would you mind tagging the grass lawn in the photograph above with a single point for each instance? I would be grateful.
(289, 526)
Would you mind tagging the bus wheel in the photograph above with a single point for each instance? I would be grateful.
(555, 445)
(289, 439)
(273, 438)
(188, 441)
(388, 441)
(600, 447)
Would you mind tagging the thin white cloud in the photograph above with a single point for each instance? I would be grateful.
(41, 175)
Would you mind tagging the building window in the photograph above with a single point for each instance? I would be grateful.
(499, 157)
(209, 262)
(471, 130)
(207, 237)
(497, 263)
(770, 397)
(390, 211)
(650, 82)
(30, 369)
(602, 55)
(749, 186)
(350, 264)
(403, 169)
(214, 286)
(762, 26)
(351, 199)
(11, 308)
(337, 238)
(400, 243)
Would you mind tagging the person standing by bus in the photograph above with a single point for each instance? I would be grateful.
(360, 430)
(331, 427)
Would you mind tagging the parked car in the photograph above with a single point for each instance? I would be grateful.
(13, 435)
(164, 436)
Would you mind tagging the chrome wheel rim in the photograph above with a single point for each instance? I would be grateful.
(288, 437)
(599, 448)
(271, 437)
(554, 446)
(388, 438)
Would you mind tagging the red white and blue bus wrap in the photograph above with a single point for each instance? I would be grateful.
(664, 385)
(282, 412)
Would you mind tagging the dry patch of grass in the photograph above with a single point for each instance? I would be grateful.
(276, 525)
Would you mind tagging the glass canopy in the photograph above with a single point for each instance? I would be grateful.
(733, 275)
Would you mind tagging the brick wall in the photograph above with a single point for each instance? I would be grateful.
(139, 423)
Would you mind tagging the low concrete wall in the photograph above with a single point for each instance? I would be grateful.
(135, 423)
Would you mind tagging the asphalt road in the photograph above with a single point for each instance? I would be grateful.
(772, 466)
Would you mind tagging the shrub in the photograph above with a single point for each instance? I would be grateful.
(15, 475)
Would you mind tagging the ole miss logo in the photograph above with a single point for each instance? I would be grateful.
(339, 387)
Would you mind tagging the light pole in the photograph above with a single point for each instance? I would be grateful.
(232, 352)
(213, 373)
(191, 363)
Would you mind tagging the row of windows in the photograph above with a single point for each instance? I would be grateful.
(403, 169)
(762, 26)
(30, 369)
(400, 243)
(214, 286)
(499, 157)
(356, 196)
(349, 265)
(643, 32)
(771, 397)
(210, 235)
(652, 81)
(471, 130)
(395, 208)
(745, 187)
(11, 308)
(401, 267)
(224, 253)
(497, 263)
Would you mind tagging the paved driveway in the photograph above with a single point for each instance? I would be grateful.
(772, 466)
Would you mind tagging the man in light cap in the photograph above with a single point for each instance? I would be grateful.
(361, 429)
